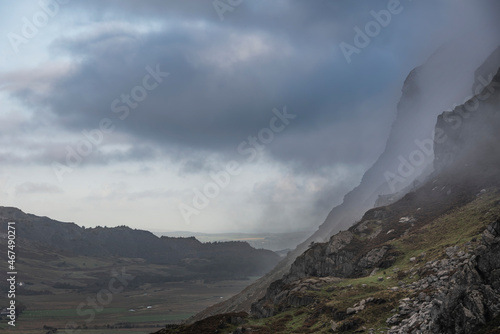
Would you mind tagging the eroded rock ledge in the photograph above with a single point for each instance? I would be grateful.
(461, 293)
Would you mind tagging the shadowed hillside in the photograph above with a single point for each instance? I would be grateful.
(219, 260)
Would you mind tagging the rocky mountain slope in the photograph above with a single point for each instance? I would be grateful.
(457, 294)
(427, 263)
(425, 95)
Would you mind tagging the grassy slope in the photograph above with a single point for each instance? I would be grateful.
(451, 229)
(438, 228)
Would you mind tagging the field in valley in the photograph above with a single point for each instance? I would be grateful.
(54, 286)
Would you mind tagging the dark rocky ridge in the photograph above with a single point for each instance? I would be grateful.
(486, 71)
(470, 133)
(220, 260)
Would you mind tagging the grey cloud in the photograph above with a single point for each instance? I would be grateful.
(225, 77)
(197, 163)
(293, 204)
(119, 191)
(202, 105)
(27, 188)
(33, 151)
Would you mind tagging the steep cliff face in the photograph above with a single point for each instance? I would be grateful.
(468, 136)
(447, 79)
(486, 71)
(456, 288)
(443, 81)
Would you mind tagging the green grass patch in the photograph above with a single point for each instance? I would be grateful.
(456, 228)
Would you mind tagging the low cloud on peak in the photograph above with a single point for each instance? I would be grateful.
(108, 60)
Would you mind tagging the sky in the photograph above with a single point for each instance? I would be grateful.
(207, 116)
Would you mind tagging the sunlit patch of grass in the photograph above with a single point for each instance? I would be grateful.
(454, 229)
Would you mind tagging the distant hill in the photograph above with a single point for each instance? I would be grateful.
(218, 260)
(272, 241)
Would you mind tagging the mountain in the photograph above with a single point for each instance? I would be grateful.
(448, 78)
(276, 242)
(426, 263)
(219, 260)
(453, 286)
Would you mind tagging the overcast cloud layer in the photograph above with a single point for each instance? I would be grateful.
(170, 91)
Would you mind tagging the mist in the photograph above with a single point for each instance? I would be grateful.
(216, 83)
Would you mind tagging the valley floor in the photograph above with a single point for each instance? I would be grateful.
(84, 282)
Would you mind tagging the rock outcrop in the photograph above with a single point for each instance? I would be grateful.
(462, 292)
